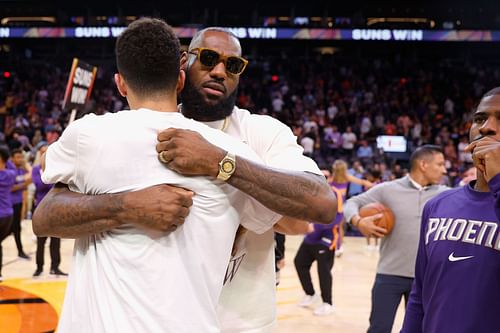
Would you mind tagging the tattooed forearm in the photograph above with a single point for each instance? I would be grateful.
(296, 194)
(67, 214)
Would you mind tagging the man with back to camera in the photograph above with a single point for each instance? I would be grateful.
(301, 194)
(406, 198)
(457, 272)
(131, 279)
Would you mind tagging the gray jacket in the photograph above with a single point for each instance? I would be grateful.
(398, 250)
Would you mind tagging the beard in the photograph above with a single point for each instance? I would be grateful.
(194, 105)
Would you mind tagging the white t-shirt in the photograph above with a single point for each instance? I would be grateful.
(308, 145)
(248, 299)
(131, 280)
(348, 140)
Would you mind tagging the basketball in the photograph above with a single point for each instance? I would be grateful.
(387, 220)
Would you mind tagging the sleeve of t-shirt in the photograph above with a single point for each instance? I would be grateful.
(414, 314)
(10, 165)
(11, 177)
(276, 144)
(374, 194)
(256, 217)
(494, 185)
(278, 148)
(61, 158)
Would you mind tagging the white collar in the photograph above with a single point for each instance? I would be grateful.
(417, 185)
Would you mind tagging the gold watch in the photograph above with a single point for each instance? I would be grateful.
(227, 166)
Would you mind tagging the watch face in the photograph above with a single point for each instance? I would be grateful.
(227, 166)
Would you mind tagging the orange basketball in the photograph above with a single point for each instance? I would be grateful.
(374, 208)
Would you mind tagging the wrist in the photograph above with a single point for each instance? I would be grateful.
(214, 166)
(355, 220)
(118, 206)
(227, 166)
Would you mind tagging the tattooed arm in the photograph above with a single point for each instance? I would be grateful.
(300, 195)
(67, 214)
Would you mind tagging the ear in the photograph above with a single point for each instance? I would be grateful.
(120, 84)
(422, 164)
(180, 81)
(184, 59)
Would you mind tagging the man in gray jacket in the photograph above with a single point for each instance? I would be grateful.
(406, 198)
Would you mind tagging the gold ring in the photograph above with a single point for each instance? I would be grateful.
(162, 158)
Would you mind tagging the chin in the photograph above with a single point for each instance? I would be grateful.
(214, 98)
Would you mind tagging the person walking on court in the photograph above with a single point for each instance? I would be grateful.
(319, 245)
(406, 198)
(457, 272)
(7, 180)
(41, 189)
(23, 179)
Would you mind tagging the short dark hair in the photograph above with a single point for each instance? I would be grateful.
(15, 151)
(4, 153)
(422, 153)
(148, 56)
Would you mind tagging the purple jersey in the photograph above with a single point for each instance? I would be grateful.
(7, 179)
(327, 234)
(457, 277)
(41, 189)
(17, 196)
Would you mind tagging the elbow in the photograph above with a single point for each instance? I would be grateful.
(38, 226)
(328, 211)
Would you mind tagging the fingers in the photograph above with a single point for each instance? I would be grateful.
(166, 134)
(378, 232)
(374, 218)
(470, 147)
(484, 151)
(162, 157)
(368, 227)
(484, 141)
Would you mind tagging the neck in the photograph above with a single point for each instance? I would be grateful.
(160, 103)
(419, 178)
(481, 183)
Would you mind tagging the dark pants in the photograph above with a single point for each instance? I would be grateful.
(55, 252)
(5, 227)
(16, 227)
(306, 255)
(279, 249)
(386, 296)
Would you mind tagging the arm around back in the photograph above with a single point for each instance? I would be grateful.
(67, 214)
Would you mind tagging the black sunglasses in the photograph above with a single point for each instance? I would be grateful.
(210, 58)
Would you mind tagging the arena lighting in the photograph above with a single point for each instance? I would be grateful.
(6, 75)
(375, 20)
(270, 33)
(275, 78)
(7, 20)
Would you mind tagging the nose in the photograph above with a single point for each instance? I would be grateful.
(489, 127)
(219, 71)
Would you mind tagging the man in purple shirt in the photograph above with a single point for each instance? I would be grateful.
(23, 179)
(7, 179)
(457, 279)
(41, 189)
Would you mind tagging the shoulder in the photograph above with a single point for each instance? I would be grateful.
(445, 194)
(256, 121)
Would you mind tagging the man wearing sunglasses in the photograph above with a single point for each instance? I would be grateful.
(290, 184)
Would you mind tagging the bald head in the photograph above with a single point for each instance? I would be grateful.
(198, 38)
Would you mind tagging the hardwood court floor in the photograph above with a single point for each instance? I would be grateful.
(353, 275)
